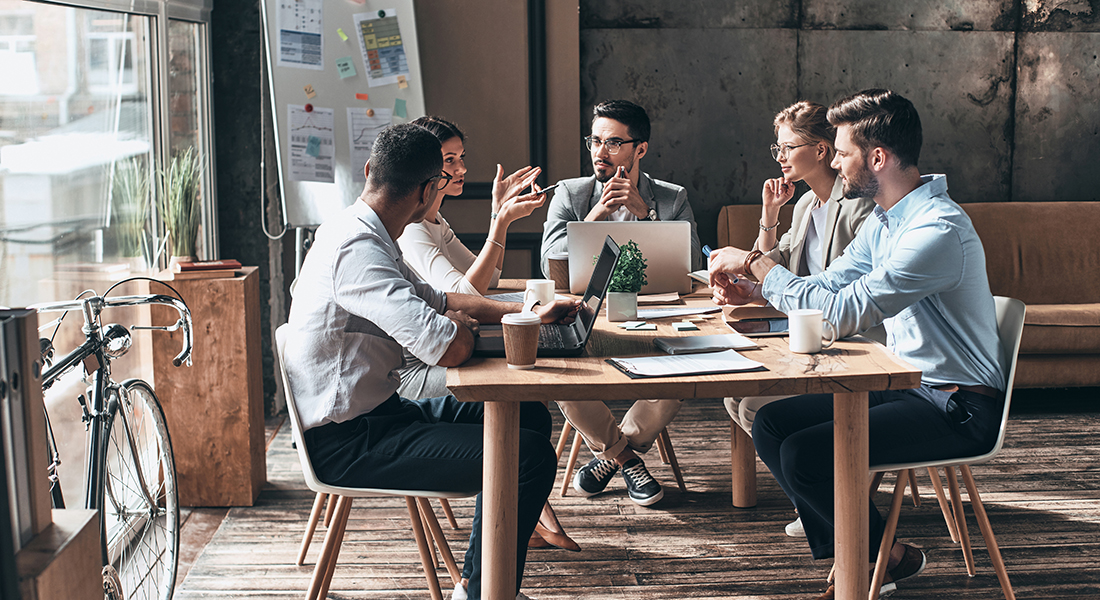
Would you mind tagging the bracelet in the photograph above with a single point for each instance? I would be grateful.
(762, 228)
(495, 242)
(751, 256)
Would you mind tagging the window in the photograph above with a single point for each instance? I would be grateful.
(84, 130)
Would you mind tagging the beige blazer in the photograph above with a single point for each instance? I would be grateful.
(845, 217)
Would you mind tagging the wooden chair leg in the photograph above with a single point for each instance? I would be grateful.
(888, 535)
(311, 527)
(742, 467)
(332, 539)
(671, 454)
(912, 477)
(446, 506)
(422, 545)
(563, 439)
(662, 446)
(342, 524)
(572, 462)
(960, 519)
(945, 508)
(329, 509)
(440, 540)
(432, 541)
(987, 533)
(876, 479)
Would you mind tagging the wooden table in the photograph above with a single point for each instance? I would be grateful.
(848, 370)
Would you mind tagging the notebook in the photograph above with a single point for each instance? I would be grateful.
(556, 339)
(666, 246)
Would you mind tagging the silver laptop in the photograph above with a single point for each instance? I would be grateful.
(666, 246)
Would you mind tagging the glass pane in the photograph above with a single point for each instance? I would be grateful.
(75, 150)
(184, 100)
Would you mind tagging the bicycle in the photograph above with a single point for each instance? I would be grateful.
(130, 475)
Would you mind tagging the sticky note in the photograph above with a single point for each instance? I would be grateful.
(346, 67)
(399, 108)
(645, 327)
(343, 36)
(313, 146)
(685, 326)
(631, 324)
(362, 96)
(402, 83)
(309, 92)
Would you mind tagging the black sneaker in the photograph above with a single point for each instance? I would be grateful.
(592, 478)
(641, 486)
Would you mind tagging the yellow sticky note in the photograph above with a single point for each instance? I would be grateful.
(309, 92)
(343, 36)
(401, 82)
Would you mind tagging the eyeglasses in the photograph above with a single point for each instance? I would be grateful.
(612, 144)
(785, 149)
(441, 181)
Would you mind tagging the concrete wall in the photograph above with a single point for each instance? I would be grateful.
(1007, 90)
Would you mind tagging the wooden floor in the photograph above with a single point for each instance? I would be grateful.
(1041, 494)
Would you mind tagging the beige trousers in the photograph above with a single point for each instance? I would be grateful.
(641, 425)
(743, 410)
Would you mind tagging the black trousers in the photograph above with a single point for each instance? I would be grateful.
(436, 444)
(794, 438)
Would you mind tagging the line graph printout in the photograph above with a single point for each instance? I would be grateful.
(300, 41)
(382, 46)
(312, 143)
(362, 130)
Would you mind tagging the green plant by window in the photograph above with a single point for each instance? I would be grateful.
(130, 207)
(629, 275)
(178, 198)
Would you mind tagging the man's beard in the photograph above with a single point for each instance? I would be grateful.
(605, 178)
(861, 184)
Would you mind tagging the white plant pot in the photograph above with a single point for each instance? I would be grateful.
(622, 306)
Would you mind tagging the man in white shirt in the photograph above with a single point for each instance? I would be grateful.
(356, 305)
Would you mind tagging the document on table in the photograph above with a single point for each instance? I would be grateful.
(646, 314)
(728, 361)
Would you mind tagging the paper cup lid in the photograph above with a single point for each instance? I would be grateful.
(528, 317)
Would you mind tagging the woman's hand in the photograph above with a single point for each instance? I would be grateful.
(518, 207)
(510, 186)
(776, 193)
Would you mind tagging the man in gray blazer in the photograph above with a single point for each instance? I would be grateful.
(619, 191)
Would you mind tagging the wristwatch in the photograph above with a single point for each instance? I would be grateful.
(652, 216)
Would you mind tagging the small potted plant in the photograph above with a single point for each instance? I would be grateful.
(626, 282)
(178, 198)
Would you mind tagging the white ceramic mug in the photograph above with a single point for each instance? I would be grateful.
(538, 289)
(806, 331)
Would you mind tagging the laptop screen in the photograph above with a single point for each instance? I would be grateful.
(597, 288)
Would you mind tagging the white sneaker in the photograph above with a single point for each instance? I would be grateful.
(459, 593)
(794, 528)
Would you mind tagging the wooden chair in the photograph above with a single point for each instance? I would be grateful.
(1010, 326)
(416, 501)
(664, 448)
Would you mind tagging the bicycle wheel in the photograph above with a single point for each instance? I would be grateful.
(140, 501)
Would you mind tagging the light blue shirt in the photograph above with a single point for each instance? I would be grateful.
(356, 305)
(919, 268)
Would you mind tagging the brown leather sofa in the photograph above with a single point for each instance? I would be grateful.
(1046, 254)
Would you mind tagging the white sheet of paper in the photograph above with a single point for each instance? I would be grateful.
(678, 311)
(362, 130)
(301, 44)
(304, 125)
(668, 298)
(383, 49)
(679, 364)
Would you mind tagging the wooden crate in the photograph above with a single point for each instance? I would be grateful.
(215, 408)
(63, 562)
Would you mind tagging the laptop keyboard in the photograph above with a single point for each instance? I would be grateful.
(550, 337)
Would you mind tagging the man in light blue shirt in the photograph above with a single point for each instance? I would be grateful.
(919, 268)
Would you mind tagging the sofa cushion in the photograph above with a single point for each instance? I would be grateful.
(1061, 329)
(1057, 370)
(739, 224)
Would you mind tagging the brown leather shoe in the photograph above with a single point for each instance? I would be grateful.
(551, 538)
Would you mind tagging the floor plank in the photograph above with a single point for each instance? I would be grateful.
(1041, 493)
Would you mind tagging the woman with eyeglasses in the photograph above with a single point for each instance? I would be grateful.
(431, 247)
(433, 251)
(824, 222)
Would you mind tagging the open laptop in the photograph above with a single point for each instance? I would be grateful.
(556, 339)
(666, 246)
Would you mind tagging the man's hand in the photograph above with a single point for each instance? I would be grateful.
(558, 311)
(731, 291)
(619, 191)
(727, 261)
(464, 320)
(505, 188)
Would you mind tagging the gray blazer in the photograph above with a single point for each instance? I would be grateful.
(574, 198)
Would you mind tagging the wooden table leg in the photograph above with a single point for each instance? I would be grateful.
(850, 461)
(742, 467)
(500, 501)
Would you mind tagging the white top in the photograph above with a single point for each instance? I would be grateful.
(434, 252)
(815, 236)
(356, 304)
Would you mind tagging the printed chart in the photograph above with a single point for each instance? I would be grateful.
(300, 42)
(362, 130)
(312, 145)
(382, 47)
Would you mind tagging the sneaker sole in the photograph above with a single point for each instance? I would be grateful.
(923, 564)
(795, 532)
(583, 492)
(648, 501)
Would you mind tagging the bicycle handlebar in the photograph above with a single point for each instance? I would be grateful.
(93, 306)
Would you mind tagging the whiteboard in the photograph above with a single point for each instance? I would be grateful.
(342, 50)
